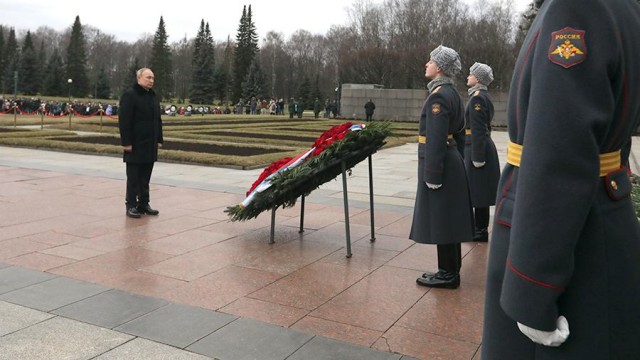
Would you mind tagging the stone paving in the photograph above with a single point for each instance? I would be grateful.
(79, 280)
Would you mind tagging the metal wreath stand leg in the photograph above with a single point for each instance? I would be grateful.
(346, 210)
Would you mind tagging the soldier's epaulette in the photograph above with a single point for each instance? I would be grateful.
(476, 93)
(436, 89)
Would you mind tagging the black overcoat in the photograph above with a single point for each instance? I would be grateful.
(444, 215)
(566, 240)
(479, 147)
(140, 124)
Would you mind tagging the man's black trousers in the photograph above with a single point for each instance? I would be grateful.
(138, 177)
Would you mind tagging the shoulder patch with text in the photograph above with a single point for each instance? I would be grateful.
(435, 109)
(568, 47)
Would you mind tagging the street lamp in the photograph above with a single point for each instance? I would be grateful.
(70, 81)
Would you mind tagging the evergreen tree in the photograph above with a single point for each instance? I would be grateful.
(203, 67)
(103, 87)
(3, 53)
(161, 63)
(316, 93)
(526, 19)
(246, 51)
(11, 61)
(77, 61)
(29, 72)
(222, 76)
(42, 64)
(130, 79)
(55, 83)
(304, 94)
(253, 84)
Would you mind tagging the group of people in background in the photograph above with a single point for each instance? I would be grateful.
(565, 241)
(57, 108)
(296, 108)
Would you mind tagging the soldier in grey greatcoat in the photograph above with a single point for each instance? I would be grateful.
(564, 265)
(140, 127)
(480, 155)
(442, 213)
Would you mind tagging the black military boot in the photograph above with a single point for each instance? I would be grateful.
(481, 235)
(442, 279)
(146, 209)
(132, 212)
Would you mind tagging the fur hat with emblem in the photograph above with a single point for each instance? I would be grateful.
(447, 59)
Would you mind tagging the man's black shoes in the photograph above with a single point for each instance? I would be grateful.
(133, 213)
(441, 279)
(146, 209)
(137, 211)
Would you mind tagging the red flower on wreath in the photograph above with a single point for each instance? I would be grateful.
(272, 168)
(337, 132)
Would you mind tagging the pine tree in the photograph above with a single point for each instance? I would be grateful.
(3, 52)
(203, 67)
(161, 63)
(103, 87)
(42, 64)
(11, 61)
(130, 79)
(223, 74)
(246, 51)
(253, 84)
(29, 72)
(304, 94)
(316, 93)
(77, 61)
(55, 83)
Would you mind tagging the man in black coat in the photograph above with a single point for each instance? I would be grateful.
(369, 107)
(563, 279)
(141, 136)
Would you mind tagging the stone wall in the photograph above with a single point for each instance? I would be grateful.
(398, 104)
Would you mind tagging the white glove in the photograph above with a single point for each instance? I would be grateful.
(433, 186)
(478, 164)
(548, 338)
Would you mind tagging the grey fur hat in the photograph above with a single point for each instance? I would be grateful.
(447, 59)
(482, 72)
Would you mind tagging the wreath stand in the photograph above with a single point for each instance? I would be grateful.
(343, 166)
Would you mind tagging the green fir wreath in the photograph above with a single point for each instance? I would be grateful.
(288, 185)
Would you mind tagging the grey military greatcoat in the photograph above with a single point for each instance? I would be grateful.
(444, 215)
(566, 240)
(479, 147)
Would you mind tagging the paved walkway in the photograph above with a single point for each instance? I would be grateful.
(79, 280)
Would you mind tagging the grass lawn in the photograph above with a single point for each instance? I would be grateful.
(241, 141)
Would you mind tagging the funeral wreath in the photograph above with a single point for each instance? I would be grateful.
(283, 181)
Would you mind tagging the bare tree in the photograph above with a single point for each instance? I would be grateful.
(307, 53)
(101, 55)
(182, 58)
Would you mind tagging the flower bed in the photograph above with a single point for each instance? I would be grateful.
(282, 182)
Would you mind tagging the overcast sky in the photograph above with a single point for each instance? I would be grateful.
(127, 20)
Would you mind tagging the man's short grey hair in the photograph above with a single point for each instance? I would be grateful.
(140, 71)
